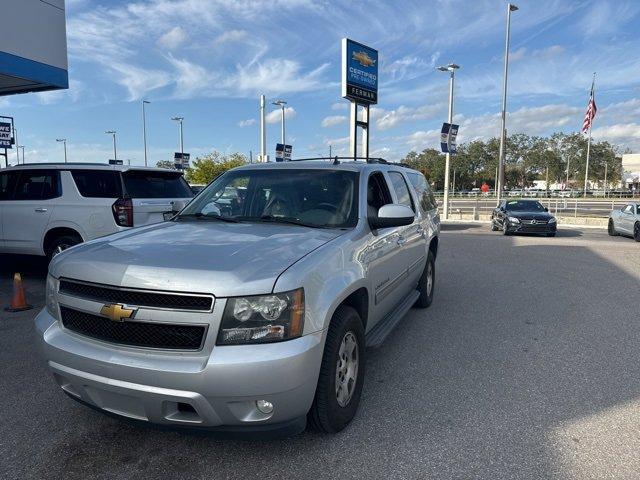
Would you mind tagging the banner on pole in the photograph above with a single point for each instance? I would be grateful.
(283, 152)
(448, 136)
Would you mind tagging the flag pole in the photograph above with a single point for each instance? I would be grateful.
(591, 99)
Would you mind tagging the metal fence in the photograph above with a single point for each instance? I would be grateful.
(564, 207)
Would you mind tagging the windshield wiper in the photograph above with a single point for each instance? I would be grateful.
(286, 220)
(200, 215)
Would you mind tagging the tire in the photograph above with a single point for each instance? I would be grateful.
(551, 234)
(636, 232)
(427, 283)
(505, 228)
(333, 409)
(611, 229)
(61, 243)
(494, 228)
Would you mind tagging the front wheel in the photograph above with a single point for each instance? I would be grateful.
(611, 229)
(636, 232)
(505, 228)
(494, 228)
(341, 373)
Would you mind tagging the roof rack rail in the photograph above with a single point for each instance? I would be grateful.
(336, 159)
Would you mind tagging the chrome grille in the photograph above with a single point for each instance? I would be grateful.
(138, 297)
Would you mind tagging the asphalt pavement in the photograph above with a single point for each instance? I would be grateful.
(527, 365)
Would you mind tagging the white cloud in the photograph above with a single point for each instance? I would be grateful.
(231, 36)
(336, 141)
(274, 116)
(277, 75)
(173, 38)
(340, 106)
(247, 123)
(333, 120)
(389, 119)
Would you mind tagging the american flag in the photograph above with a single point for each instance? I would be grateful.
(591, 112)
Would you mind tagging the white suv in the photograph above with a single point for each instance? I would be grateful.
(45, 208)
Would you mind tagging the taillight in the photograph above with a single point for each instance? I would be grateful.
(123, 212)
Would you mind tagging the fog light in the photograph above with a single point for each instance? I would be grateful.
(264, 406)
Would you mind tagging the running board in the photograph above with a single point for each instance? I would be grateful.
(383, 328)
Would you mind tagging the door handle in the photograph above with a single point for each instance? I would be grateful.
(41, 210)
(402, 241)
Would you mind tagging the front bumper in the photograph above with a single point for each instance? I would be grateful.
(540, 228)
(219, 389)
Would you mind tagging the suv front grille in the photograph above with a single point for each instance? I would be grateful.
(138, 334)
(141, 298)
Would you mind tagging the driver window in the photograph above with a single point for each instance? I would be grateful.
(628, 209)
(377, 194)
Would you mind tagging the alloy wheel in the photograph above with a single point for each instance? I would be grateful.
(347, 369)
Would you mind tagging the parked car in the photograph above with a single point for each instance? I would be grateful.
(250, 313)
(523, 216)
(46, 208)
(625, 221)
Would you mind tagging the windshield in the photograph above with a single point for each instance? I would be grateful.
(154, 184)
(316, 198)
(524, 206)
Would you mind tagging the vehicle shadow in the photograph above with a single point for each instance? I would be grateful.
(508, 374)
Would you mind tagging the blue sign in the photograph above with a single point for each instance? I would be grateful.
(359, 72)
(448, 136)
(6, 135)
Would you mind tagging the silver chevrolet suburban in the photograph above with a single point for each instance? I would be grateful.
(251, 309)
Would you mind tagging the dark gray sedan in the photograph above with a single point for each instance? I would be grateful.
(523, 216)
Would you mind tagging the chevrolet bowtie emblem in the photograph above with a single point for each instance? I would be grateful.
(117, 312)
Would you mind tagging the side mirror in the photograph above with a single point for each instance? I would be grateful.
(392, 215)
(546, 209)
(178, 205)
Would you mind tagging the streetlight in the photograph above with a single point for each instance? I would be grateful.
(144, 130)
(510, 8)
(179, 120)
(451, 68)
(115, 152)
(281, 104)
(64, 141)
(22, 147)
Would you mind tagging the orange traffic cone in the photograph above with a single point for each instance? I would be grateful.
(18, 302)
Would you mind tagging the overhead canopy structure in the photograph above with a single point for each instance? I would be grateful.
(33, 49)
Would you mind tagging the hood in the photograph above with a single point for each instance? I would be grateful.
(223, 259)
(531, 215)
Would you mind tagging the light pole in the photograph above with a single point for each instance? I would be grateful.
(510, 8)
(115, 152)
(179, 120)
(451, 68)
(281, 104)
(22, 147)
(144, 129)
(15, 139)
(64, 142)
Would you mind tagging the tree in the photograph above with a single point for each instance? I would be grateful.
(208, 167)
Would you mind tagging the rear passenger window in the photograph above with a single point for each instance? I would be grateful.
(154, 184)
(37, 185)
(7, 182)
(401, 189)
(97, 183)
(427, 200)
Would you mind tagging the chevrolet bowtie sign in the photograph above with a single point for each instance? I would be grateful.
(117, 312)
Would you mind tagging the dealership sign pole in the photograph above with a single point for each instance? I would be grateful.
(6, 137)
(360, 87)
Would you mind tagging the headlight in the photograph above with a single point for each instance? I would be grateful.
(514, 220)
(262, 319)
(552, 220)
(50, 296)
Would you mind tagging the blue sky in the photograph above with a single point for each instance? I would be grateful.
(209, 60)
